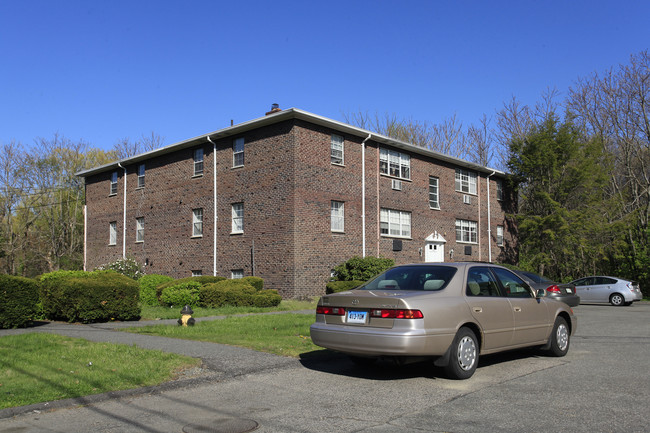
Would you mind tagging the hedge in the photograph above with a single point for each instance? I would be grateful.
(99, 296)
(18, 301)
(203, 280)
(148, 284)
(237, 293)
(182, 294)
(341, 286)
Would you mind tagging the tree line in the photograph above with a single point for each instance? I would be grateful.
(580, 164)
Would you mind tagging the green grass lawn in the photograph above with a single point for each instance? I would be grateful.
(280, 334)
(39, 367)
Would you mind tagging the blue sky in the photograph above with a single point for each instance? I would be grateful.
(101, 71)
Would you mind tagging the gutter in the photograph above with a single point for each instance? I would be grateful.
(214, 210)
(363, 195)
(124, 216)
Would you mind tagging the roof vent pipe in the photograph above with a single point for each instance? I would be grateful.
(275, 108)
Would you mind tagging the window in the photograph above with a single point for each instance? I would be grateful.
(512, 284)
(197, 273)
(481, 282)
(198, 162)
(112, 229)
(465, 181)
(337, 216)
(113, 183)
(236, 273)
(499, 189)
(141, 176)
(395, 223)
(197, 222)
(466, 231)
(434, 196)
(337, 149)
(139, 229)
(238, 218)
(394, 164)
(500, 236)
(238, 152)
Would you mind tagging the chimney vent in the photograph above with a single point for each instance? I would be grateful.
(275, 108)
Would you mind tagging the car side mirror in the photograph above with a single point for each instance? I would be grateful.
(540, 293)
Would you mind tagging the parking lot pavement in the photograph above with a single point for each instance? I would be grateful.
(601, 385)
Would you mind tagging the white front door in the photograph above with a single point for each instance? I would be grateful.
(434, 252)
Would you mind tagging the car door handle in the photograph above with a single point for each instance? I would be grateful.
(478, 309)
(517, 309)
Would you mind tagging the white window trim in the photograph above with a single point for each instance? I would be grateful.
(469, 227)
(140, 183)
(112, 233)
(197, 223)
(395, 220)
(499, 239)
(236, 153)
(237, 219)
(465, 178)
(113, 186)
(337, 216)
(337, 145)
(198, 162)
(437, 186)
(402, 161)
(139, 229)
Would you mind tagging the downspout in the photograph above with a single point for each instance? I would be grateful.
(489, 218)
(85, 234)
(363, 195)
(214, 210)
(124, 216)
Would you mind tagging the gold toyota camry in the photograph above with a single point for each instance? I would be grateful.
(448, 312)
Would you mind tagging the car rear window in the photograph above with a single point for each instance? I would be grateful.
(425, 278)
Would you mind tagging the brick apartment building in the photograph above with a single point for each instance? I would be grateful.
(294, 195)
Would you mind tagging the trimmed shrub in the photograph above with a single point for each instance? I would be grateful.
(148, 284)
(341, 286)
(362, 269)
(202, 280)
(181, 294)
(237, 293)
(256, 282)
(78, 296)
(18, 301)
(128, 267)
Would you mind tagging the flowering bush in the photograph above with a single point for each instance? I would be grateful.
(128, 267)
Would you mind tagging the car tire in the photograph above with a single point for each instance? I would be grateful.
(616, 299)
(463, 358)
(560, 338)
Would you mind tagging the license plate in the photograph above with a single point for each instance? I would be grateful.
(357, 316)
(569, 291)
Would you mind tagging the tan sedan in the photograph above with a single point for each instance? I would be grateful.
(449, 312)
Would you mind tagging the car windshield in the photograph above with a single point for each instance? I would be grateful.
(412, 278)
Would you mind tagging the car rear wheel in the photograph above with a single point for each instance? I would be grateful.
(463, 356)
(616, 299)
(560, 338)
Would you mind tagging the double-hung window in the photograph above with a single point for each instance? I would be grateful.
(336, 154)
(499, 189)
(112, 230)
(197, 222)
(113, 189)
(394, 164)
(337, 216)
(238, 152)
(141, 176)
(434, 193)
(238, 218)
(465, 181)
(198, 161)
(139, 229)
(500, 236)
(466, 231)
(395, 223)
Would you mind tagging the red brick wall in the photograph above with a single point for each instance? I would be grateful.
(287, 184)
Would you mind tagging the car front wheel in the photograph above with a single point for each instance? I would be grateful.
(616, 299)
(464, 355)
(560, 338)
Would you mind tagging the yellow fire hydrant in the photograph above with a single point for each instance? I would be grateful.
(186, 316)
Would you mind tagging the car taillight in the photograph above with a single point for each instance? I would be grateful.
(397, 314)
(554, 288)
(332, 311)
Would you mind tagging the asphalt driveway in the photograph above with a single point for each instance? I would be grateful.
(603, 384)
